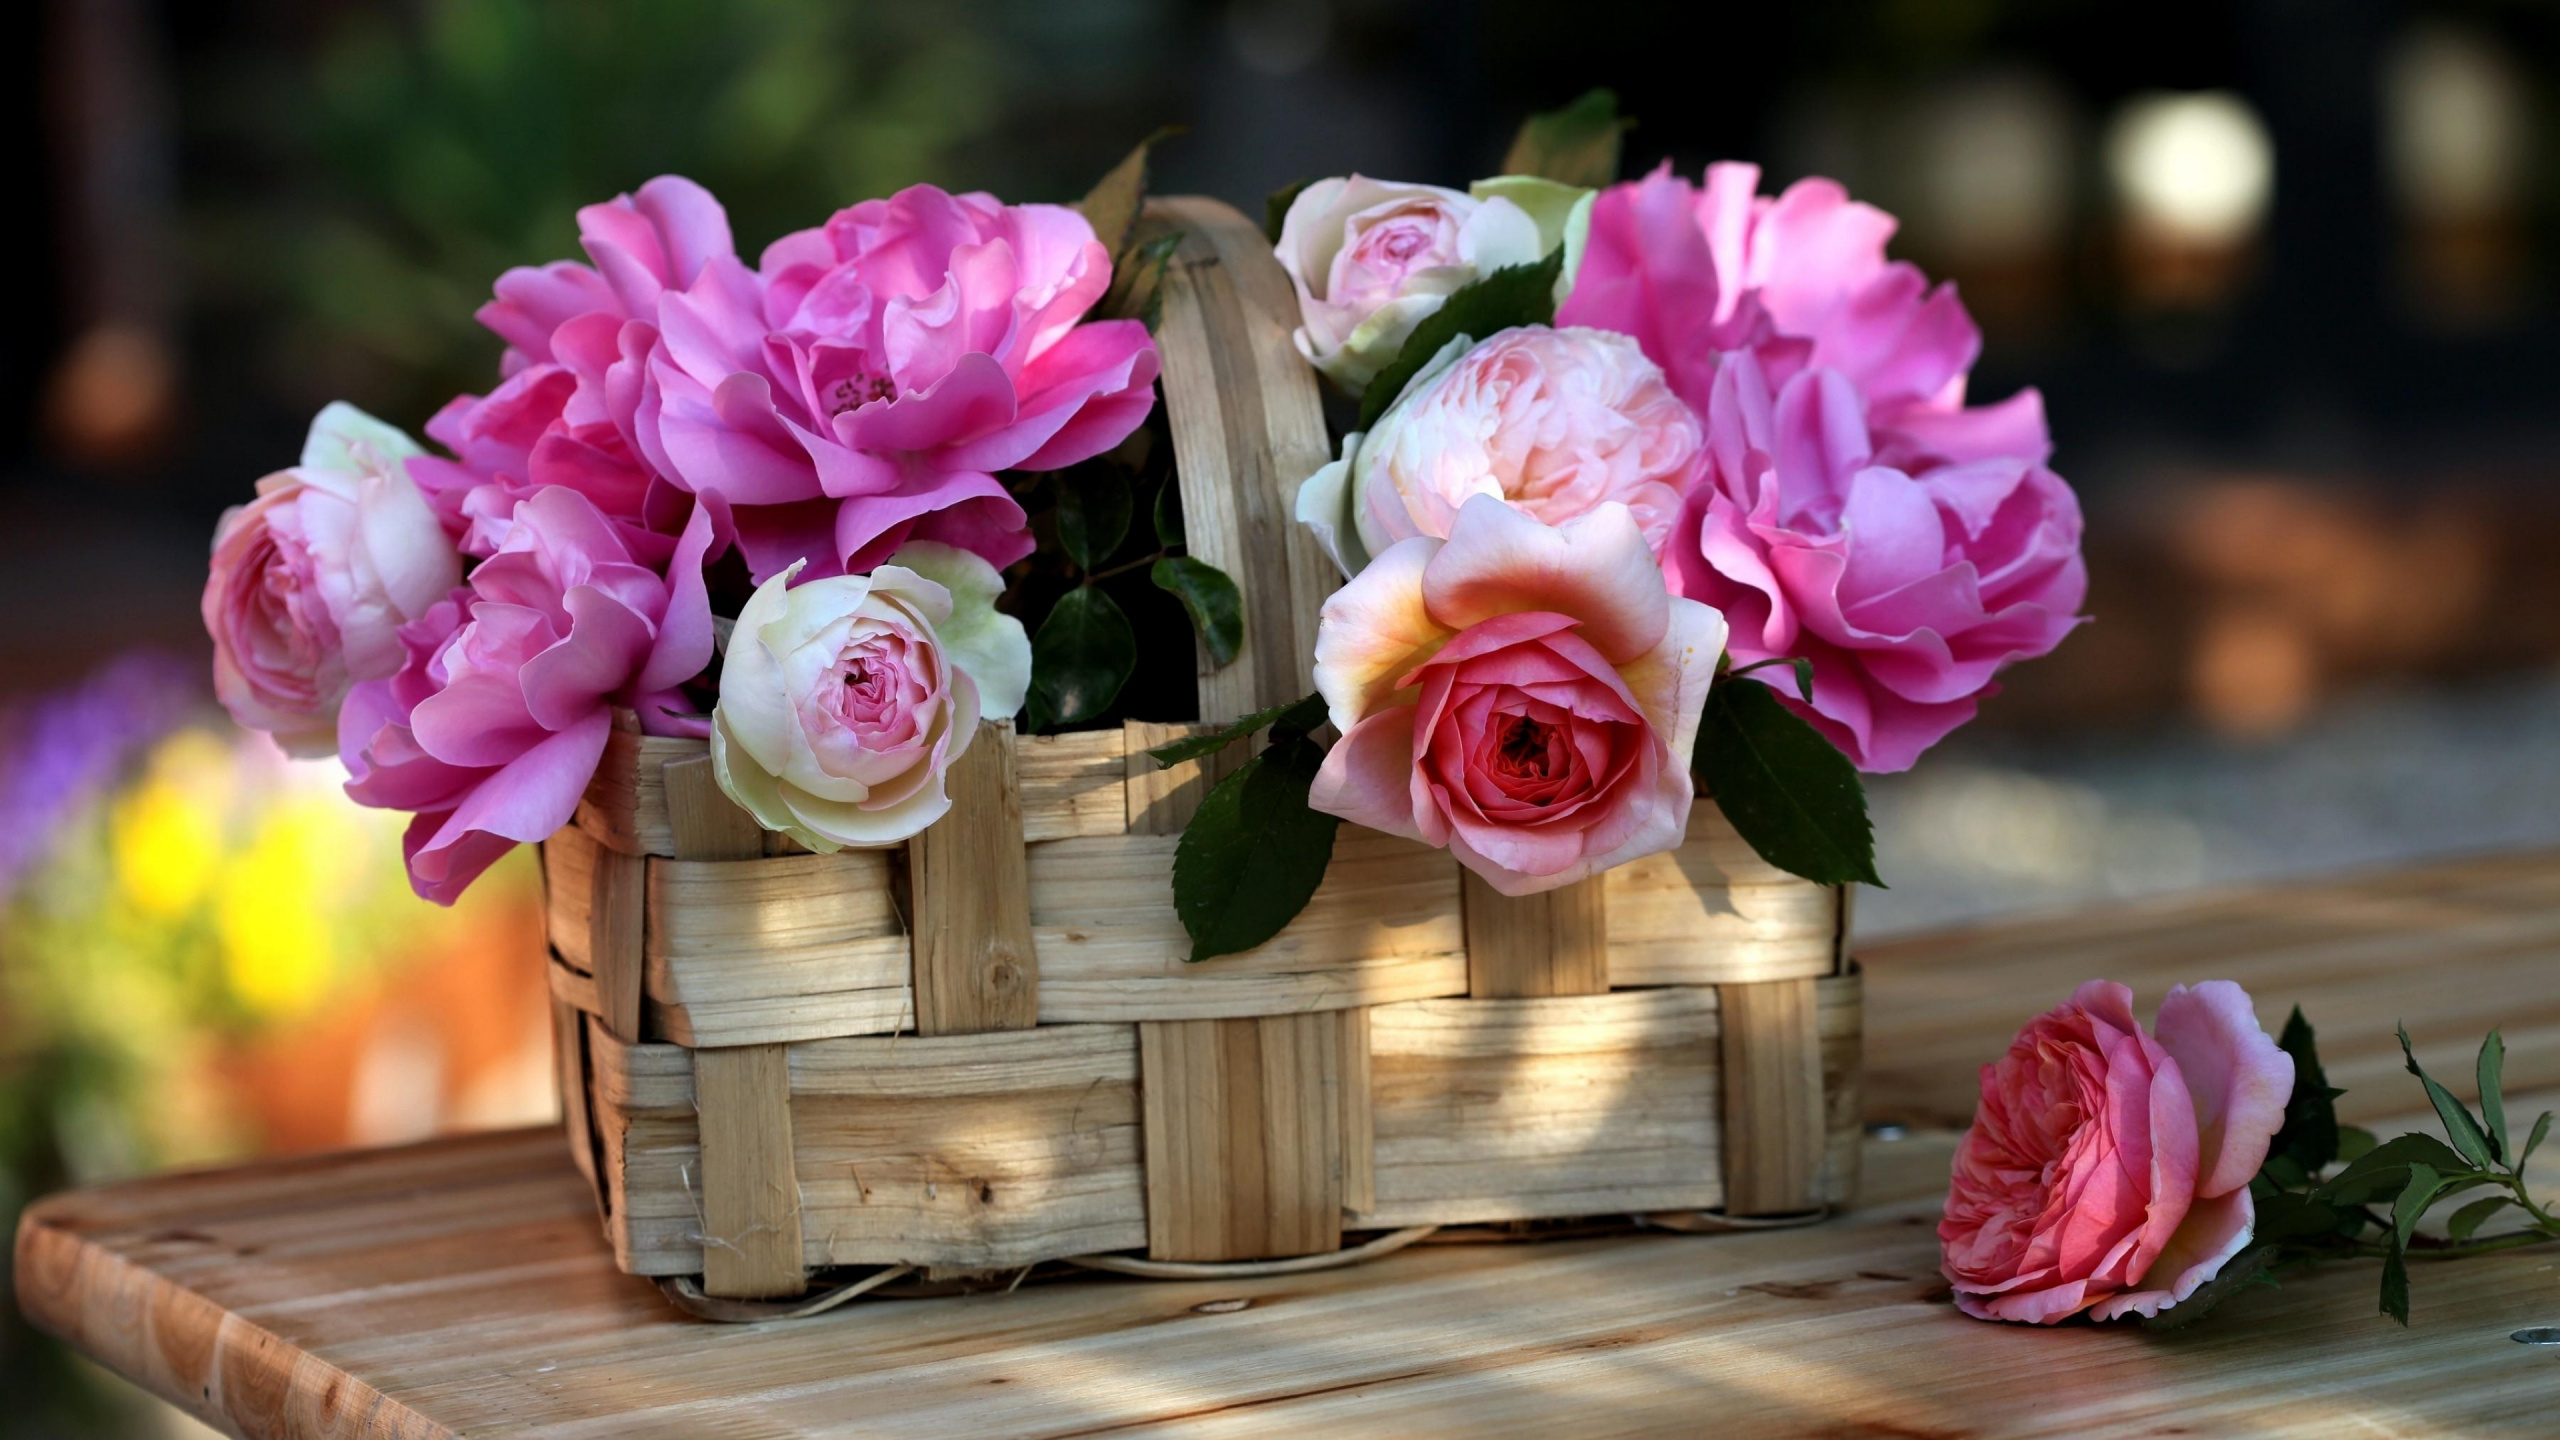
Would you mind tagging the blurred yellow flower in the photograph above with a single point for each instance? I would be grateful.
(168, 834)
(279, 900)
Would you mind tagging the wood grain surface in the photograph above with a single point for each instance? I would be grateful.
(459, 1289)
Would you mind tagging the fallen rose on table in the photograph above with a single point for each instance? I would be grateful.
(2111, 1172)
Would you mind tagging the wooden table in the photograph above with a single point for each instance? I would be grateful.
(458, 1288)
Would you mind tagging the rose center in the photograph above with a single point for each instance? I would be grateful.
(857, 390)
(1527, 751)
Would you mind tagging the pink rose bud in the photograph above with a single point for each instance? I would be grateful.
(312, 580)
(1554, 423)
(843, 701)
(2108, 1170)
(1371, 259)
(1524, 695)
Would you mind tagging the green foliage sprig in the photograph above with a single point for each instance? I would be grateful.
(2370, 1205)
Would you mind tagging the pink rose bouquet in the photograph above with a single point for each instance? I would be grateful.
(462, 628)
(1525, 695)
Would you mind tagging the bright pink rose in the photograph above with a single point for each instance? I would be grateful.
(577, 339)
(1907, 590)
(1800, 280)
(2109, 1171)
(1555, 423)
(1525, 695)
(865, 386)
(492, 729)
(311, 581)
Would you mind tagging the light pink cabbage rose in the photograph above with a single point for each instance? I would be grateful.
(843, 701)
(2108, 1170)
(864, 386)
(1554, 423)
(311, 581)
(1908, 590)
(492, 728)
(577, 340)
(1524, 695)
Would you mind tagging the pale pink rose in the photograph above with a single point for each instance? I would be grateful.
(492, 728)
(311, 581)
(865, 386)
(1371, 259)
(577, 341)
(2106, 1170)
(1907, 590)
(1554, 423)
(1524, 695)
(843, 701)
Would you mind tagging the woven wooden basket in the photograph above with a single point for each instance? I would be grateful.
(987, 1050)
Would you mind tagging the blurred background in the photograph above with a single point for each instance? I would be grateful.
(2284, 269)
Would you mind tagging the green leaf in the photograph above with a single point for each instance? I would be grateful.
(2354, 1141)
(2395, 1286)
(1789, 792)
(1168, 513)
(1254, 853)
(1137, 282)
(1112, 206)
(2384, 1170)
(2244, 1271)
(2415, 1197)
(2533, 1142)
(2459, 1127)
(2309, 1136)
(1802, 667)
(2466, 1221)
(1508, 298)
(1093, 513)
(2493, 1100)
(1275, 207)
(1216, 605)
(1291, 718)
(2285, 1215)
(1083, 654)
(1577, 145)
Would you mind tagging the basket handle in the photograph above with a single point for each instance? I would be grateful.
(1248, 428)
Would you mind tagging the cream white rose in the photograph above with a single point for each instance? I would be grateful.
(1371, 258)
(844, 701)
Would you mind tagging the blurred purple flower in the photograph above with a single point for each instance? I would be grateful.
(61, 752)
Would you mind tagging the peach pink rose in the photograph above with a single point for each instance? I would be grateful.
(1524, 695)
(311, 581)
(1554, 423)
(2108, 1170)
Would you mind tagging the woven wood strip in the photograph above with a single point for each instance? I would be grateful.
(750, 1192)
(595, 914)
(975, 964)
(785, 948)
(1773, 1105)
(1555, 942)
(1071, 784)
(1244, 1137)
